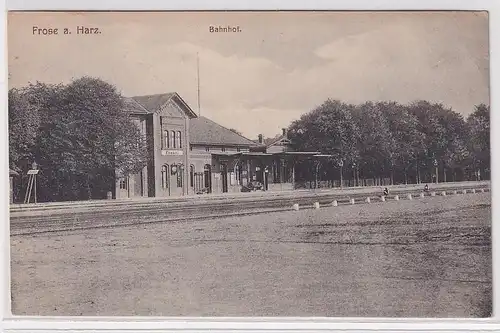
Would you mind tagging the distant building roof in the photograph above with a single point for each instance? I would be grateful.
(132, 106)
(270, 141)
(205, 131)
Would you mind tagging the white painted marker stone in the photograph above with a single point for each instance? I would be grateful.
(396, 197)
(455, 192)
(352, 201)
(443, 193)
(473, 191)
(409, 197)
(422, 195)
(316, 205)
(433, 194)
(382, 198)
(295, 207)
(368, 200)
(464, 191)
(335, 203)
(482, 190)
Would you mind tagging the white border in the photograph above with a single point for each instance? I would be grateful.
(251, 5)
(189, 324)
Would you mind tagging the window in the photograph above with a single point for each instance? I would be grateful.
(179, 139)
(164, 177)
(179, 175)
(172, 139)
(191, 175)
(207, 148)
(123, 184)
(167, 140)
(237, 171)
(207, 177)
(238, 149)
(191, 148)
(223, 149)
(276, 172)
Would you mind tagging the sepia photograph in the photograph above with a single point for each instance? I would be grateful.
(250, 164)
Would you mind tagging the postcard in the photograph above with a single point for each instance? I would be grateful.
(250, 164)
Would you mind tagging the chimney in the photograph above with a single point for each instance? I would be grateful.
(261, 138)
(285, 132)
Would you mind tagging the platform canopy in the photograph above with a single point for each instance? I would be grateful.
(280, 154)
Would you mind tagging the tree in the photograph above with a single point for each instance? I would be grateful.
(84, 137)
(434, 134)
(455, 151)
(27, 107)
(375, 140)
(329, 129)
(406, 142)
(24, 121)
(479, 126)
(415, 142)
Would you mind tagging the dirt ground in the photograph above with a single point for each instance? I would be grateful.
(428, 257)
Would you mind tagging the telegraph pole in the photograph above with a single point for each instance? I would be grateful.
(341, 164)
(198, 79)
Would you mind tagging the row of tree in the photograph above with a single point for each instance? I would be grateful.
(82, 139)
(78, 134)
(419, 142)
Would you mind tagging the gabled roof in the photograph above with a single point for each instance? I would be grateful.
(205, 131)
(152, 103)
(276, 140)
(273, 141)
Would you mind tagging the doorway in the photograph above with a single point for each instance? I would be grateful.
(207, 175)
(224, 178)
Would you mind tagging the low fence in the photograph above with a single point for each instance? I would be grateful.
(76, 218)
(346, 183)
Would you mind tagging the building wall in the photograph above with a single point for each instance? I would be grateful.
(149, 181)
(200, 157)
(172, 119)
(193, 161)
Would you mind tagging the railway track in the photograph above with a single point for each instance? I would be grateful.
(33, 222)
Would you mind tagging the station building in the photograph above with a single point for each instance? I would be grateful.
(191, 155)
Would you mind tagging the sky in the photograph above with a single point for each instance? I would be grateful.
(279, 66)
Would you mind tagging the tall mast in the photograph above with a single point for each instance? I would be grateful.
(198, 78)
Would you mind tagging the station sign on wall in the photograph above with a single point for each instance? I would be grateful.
(172, 152)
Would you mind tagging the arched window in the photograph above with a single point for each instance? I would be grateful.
(172, 139)
(237, 174)
(180, 171)
(167, 139)
(164, 176)
(179, 139)
(191, 175)
(207, 177)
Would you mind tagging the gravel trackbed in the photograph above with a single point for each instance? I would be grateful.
(429, 257)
